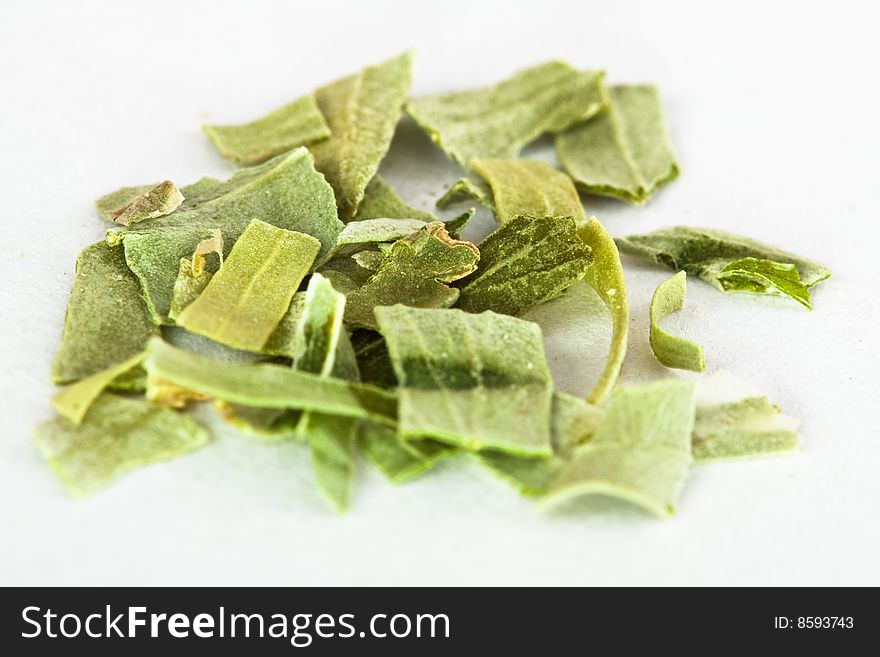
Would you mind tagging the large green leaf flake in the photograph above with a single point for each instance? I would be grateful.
(382, 202)
(605, 276)
(286, 192)
(527, 261)
(528, 187)
(415, 271)
(475, 381)
(74, 401)
(107, 320)
(498, 121)
(362, 110)
(131, 205)
(117, 435)
(728, 262)
(296, 124)
(246, 299)
(641, 451)
(622, 152)
(673, 350)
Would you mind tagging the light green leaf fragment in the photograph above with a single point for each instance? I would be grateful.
(622, 152)
(362, 111)
(527, 261)
(399, 460)
(131, 205)
(734, 420)
(362, 233)
(107, 321)
(345, 273)
(528, 187)
(416, 271)
(332, 443)
(246, 299)
(728, 262)
(606, 278)
(264, 385)
(75, 400)
(370, 260)
(499, 121)
(187, 288)
(673, 350)
(296, 124)
(476, 381)
(116, 436)
(282, 342)
(456, 225)
(382, 202)
(286, 192)
(467, 189)
(640, 452)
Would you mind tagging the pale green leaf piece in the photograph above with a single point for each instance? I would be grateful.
(641, 451)
(362, 110)
(397, 459)
(243, 303)
(623, 152)
(286, 192)
(529, 260)
(369, 259)
(456, 225)
(498, 121)
(75, 400)
(528, 187)
(475, 381)
(345, 273)
(296, 124)
(728, 262)
(107, 321)
(363, 233)
(131, 205)
(381, 201)
(735, 420)
(117, 435)
(282, 342)
(189, 285)
(467, 189)
(416, 271)
(265, 385)
(672, 350)
(606, 278)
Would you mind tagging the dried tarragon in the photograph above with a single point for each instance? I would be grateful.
(381, 201)
(673, 350)
(131, 205)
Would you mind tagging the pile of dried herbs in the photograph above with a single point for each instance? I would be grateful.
(308, 302)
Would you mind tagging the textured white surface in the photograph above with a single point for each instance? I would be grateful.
(773, 116)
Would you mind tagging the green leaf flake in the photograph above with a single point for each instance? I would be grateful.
(466, 189)
(527, 261)
(116, 436)
(362, 233)
(640, 452)
(296, 124)
(728, 262)
(187, 288)
(416, 271)
(362, 111)
(382, 202)
(75, 400)
(246, 299)
(498, 121)
(397, 459)
(107, 321)
(622, 152)
(733, 420)
(131, 205)
(476, 381)
(528, 187)
(606, 278)
(673, 350)
(456, 225)
(286, 192)
(264, 385)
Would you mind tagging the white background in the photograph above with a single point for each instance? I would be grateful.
(773, 113)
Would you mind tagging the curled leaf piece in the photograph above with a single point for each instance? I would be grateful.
(456, 225)
(734, 420)
(606, 278)
(640, 452)
(466, 189)
(528, 187)
(499, 121)
(116, 436)
(415, 271)
(673, 350)
(728, 262)
(475, 381)
(296, 124)
(527, 261)
(382, 202)
(107, 321)
(75, 400)
(622, 152)
(131, 205)
(362, 111)
(243, 303)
